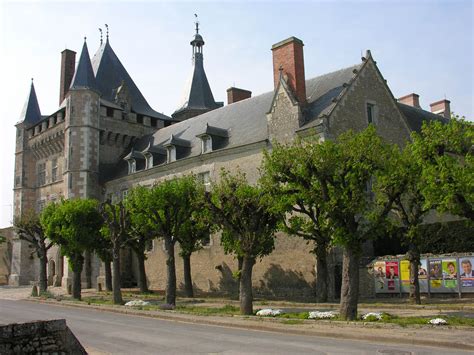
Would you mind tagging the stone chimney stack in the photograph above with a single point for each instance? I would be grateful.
(68, 63)
(410, 100)
(288, 58)
(442, 108)
(235, 94)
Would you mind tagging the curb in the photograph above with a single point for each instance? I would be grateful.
(271, 326)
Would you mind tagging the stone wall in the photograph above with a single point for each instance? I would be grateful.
(40, 337)
(5, 254)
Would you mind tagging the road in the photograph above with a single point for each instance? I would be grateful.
(104, 332)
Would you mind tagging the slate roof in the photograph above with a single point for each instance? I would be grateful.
(109, 73)
(31, 113)
(416, 116)
(84, 76)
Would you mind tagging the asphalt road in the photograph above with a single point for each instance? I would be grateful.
(105, 332)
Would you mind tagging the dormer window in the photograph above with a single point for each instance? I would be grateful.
(171, 153)
(206, 144)
(132, 166)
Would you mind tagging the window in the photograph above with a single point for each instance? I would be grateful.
(371, 112)
(140, 119)
(171, 154)
(54, 170)
(205, 179)
(132, 166)
(41, 177)
(206, 144)
(149, 161)
(109, 112)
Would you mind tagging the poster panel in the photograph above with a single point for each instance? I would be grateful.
(466, 272)
(392, 276)
(405, 275)
(436, 275)
(450, 275)
(423, 275)
(379, 276)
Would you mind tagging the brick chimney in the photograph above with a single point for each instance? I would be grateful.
(442, 107)
(236, 94)
(410, 100)
(288, 55)
(68, 63)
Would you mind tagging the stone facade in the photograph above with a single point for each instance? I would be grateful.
(83, 150)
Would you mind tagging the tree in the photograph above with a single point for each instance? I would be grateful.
(74, 225)
(446, 154)
(248, 223)
(169, 205)
(194, 232)
(401, 185)
(29, 229)
(297, 178)
(116, 224)
(103, 249)
(141, 231)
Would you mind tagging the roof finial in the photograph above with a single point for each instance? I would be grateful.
(197, 23)
(100, 30)
(107, 32)
(85, 39)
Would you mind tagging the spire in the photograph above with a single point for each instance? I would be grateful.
(84, 76)
(198, 96)
(31, 112)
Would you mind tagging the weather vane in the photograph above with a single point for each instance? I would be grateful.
(100, 30)
(197, 23)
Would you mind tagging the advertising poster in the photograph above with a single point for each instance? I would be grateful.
(466, 272)
(379, 274)
(450, 273)
(436, 275)
(391, 273)
(422, 273)
(405, 272)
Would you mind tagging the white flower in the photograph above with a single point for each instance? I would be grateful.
(137, 303)
(269, 312)
(377, 315)
(322, 315)
(437, 321)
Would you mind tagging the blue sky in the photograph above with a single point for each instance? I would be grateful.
(424, 47)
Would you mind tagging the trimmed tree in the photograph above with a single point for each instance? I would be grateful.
(74, 225)
(103, 249)
(297, 178)
(140, 232)
(446, 154)
(29, 229)
(248, 222)
(169, 205)
(116, 224)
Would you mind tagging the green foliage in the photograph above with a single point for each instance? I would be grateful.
(445, 152)
(245, 215)
(72, 224)
(29, 229)
(2, 239)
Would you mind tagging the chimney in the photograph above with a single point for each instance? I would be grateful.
(68, 63)
(288, 55)
(442, 108)
(410, 100)
(235, 95)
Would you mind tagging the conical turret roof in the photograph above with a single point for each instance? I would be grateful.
(84, 75)
(31, 113)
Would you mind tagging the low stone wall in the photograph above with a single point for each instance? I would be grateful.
(40, 337)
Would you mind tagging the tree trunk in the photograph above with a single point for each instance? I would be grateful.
(142, 282)
(239, 270)
(43, 276)
(414, 258)
(77, 262)
(116, 281)
(350, 284)
(108, 275)
(188, 282)
(171, 273)
(321, 272)
(245, 289)
(88, 269)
